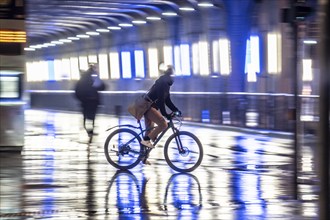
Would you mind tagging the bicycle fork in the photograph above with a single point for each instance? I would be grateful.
(178, 141)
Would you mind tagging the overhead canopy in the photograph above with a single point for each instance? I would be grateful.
(66, 18)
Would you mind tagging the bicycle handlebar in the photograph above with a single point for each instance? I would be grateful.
(175, 114)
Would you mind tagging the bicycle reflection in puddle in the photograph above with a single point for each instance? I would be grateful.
(126, 194)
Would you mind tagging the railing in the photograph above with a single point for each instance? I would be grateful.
(253, 110)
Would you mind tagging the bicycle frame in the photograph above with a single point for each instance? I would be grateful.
(142, 132)
(131, 126)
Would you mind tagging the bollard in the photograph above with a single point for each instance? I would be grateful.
(118, 110)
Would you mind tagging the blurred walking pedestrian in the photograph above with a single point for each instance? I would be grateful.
(87, 92)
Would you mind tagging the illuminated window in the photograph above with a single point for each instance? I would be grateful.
(92, 58)
(274, 53)
(153, 62)
(51, 75)
(28, 67)
(103, 66)
(177, 61)
(126, 64)
(75, 74)
(168, 55)
(37, 71)
(139, 63)
(255, 53)
(185, 59)
(182, 60)
(36, 68)
(224, 49)
(252, 60)
(66, 69)
(307, 70)
(83, 63)
(114, 65)
(204, 58)
(58, 70)
(31, 71)
(215, 52)
(43, 71)
(195, 58)
(247, 56)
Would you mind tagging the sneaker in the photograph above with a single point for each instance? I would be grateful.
(90, 132)
(90, 139)
(147, 144)
(146, 162)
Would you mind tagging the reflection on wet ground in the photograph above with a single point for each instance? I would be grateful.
(244, 175)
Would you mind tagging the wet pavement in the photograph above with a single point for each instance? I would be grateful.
(245, 174)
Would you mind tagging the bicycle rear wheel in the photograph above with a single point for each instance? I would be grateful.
(190, 155)
(122, 148)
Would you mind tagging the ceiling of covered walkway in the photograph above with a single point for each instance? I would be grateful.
(62, 18)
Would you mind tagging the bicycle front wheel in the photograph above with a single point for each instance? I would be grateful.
(183, 151)
(122, 148)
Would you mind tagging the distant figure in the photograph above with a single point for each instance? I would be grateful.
(87, 92)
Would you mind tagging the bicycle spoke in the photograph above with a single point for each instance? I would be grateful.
(122, 148)
(190, 154)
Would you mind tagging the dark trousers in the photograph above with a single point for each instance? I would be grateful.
(89, 110)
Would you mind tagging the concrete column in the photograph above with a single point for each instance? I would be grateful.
(324, 124)
(238, 27)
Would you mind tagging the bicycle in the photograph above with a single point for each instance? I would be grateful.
(183, 151)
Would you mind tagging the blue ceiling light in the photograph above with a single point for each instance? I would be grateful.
(35, 46)
(125, 25)
(187, 8)
(65, 40)
(167, 8)
(29, 49)
(136, 16)
(114, 28)
(149, 12)
(186, 5)
(170, 14)
(97, 13)
(73, 38)
(205, 4)
(82, 36)
(310, 42)
(153, 18)
(49, 44)
(139, 22)
(56, 42)
(92, 33)
(102, 30)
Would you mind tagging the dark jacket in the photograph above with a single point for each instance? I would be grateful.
(86, 90)
(160, 94)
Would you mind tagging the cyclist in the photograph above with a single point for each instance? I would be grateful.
(159, 94)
